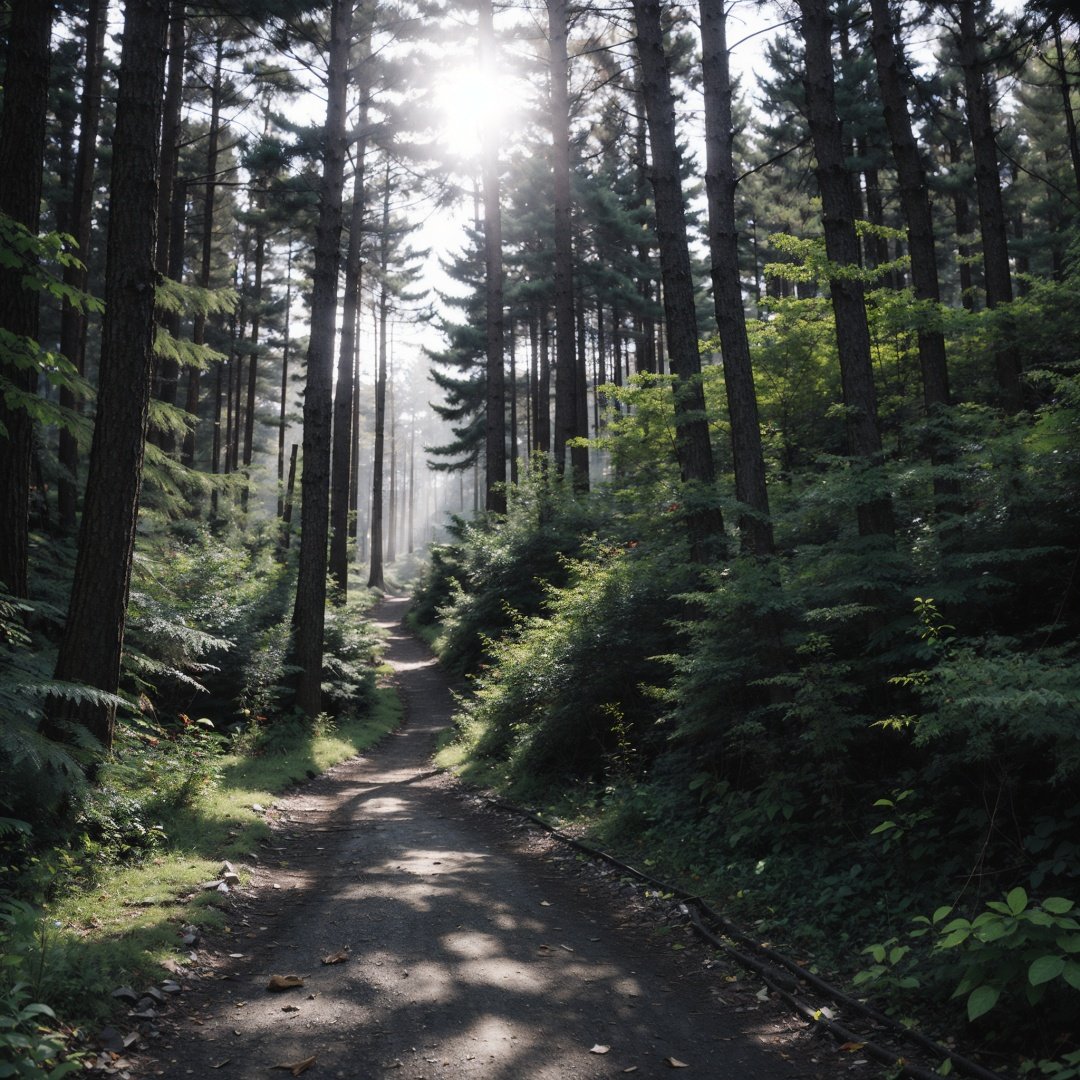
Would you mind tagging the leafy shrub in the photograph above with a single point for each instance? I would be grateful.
(501, 570)
(571, 692)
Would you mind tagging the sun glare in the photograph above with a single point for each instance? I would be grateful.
(470, 100)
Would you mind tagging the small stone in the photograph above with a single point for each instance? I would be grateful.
(170, 987)
(125, 993)
(110, 1039)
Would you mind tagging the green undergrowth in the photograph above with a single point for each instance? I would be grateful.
(865, 750)
(113, 924)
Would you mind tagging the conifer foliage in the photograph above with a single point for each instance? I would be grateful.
(743, 411)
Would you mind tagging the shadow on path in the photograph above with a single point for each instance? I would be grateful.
(468, 957)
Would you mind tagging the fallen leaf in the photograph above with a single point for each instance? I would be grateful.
(284, 982)
(852, 1046)
(297, 1067)
(632, 1068)
(675, 1063)
(600, 1049)
(566, 947)
(544, 903)
(337, 958)
(221, 1064)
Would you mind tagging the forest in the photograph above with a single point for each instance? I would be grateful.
(709, 373)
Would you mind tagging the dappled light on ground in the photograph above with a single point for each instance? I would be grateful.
(465, 957)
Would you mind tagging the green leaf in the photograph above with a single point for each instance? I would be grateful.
(981, 1001)
(1057, 905)
(1017, 900)
(994, 930)
(955, 938)
(941, 913)
(1045, 968)
(1071, 974)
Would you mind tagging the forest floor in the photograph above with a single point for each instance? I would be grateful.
(467, 944)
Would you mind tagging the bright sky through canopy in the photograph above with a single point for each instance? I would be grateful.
(469, 99)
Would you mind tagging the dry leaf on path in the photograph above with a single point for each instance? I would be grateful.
(221, 1064)
(632, 1068)
(284, 982)
(599, 1049)
(297, 1067)
(675, 1063)
(337, 958)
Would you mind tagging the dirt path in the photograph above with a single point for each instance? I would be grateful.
(474, 951)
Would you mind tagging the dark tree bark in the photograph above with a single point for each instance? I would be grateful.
(376, 579)
(94, 634)
(342, 479)
(1066, 100)
(346, 395)
(914, 199)
(73, 321)
(390, 531)
(309, 613)
(253, 360)
(755, 528)
(198, 331)
(842, 247)
(22, 150)
(992, 222)
(543, 386)
(170, 255)
(283, 409)
(692, 445)
(495, 412)
(287, 501)
(566, 418)
(513, 407)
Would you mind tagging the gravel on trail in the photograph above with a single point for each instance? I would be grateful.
(466, 945)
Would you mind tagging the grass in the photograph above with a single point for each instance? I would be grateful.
(432, 635)
(122, 924)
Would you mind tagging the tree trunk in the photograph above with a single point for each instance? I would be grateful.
(842, 247)
(309, 613)
(692, 445)
(513, 408)
(543, 386)
(343, 480)
(376, 579)
(168, 261)
(566, 424)
(283, 409)
(755, 528)
(391, 529)
(914, 200)
(198, 331)
(287, 502)
(495, 412)
(94, 634)
(992, 225)
(22, 150)
(73, 322)
(1066, 101)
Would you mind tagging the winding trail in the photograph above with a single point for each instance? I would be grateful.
(472, 951)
